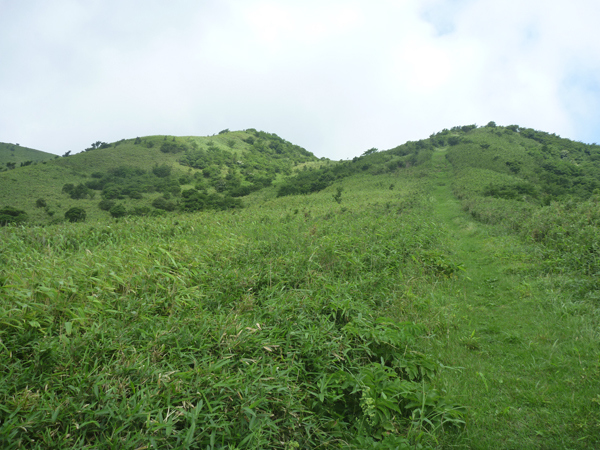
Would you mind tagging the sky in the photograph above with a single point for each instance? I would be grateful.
(336, 77)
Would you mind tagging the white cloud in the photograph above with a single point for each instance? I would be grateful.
(336, 77)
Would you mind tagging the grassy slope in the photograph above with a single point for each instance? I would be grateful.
(21, 187)
(526, 342)
(208, 328)
(520, 337)
(17, 154)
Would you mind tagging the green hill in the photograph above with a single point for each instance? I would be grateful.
(13, 155)
(440, 294)
(135, 173)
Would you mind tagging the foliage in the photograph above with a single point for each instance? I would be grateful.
(10, 215)
(118, 210)
(372, 161)
(40, 203)
(172, 147)
(164, 204)
(337, 197)
(162, 171)
(247, 325)
(75, 214)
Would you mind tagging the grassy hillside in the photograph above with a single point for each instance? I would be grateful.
(229, 164)
(441, 294)
(17, 155)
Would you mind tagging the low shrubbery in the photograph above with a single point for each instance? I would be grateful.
(10, 215)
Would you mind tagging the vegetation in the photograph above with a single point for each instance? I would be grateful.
(10, 215)
(75, 214)
(13, 156)
(441, 294)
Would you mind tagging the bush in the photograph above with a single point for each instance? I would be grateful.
(80, 191)
(164, 204)
(75, 214)
(112, 192)
(161, 171)
(141, 211)
(453, 140)
(172, 147)
(184, 179)
(118, 211)
(12, 215)
(40, 203)
(106, 205)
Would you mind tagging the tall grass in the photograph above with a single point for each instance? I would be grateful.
(281, 326)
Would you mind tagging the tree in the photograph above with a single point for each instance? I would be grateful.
(75, 214)
(9, 214)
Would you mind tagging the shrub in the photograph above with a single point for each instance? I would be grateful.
(106, 205)
(78, 192)
(161, 171)
(184, 180)
(40, 203)
(453, 140)
(141, 211)
(9, 214)
(112, 192)
(118, 211)
(172, 147)
(164, 204)
(75, 214)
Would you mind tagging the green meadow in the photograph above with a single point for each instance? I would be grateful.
(439, 295)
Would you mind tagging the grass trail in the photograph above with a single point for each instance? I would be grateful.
(527, 347)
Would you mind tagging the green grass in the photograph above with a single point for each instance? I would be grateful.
(284, 324)
(21, 187)
(12, 153)
(404, 316)
(526, 341)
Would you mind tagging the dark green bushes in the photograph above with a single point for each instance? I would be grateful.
(517, 191)
(118, 211)
(75, 214)
(10, 215)
(164, 204)
(76, 192)
(173, 147)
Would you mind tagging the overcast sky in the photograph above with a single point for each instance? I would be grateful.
(334, 76)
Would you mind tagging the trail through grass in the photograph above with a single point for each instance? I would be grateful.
(527, 345)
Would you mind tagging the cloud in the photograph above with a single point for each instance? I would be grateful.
(337, 77)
